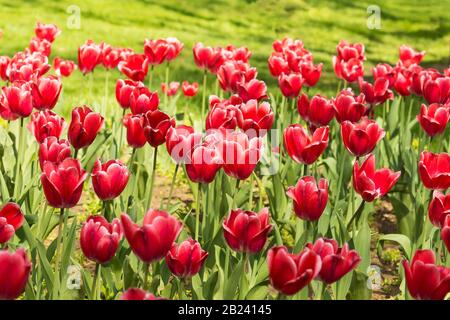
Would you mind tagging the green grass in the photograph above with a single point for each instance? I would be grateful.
(424, 25)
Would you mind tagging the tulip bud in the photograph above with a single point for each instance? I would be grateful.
(310, 198)
(154, 239)
(336, 262)
(63, 182)
(247, 231)
(11, 219)
(186, 259)
(362, 137)
(135, 130)
(84, 126)
(434, 170)
(170, 89)
(53, 150)
(89, 56)
(289, 273)
(189, 89)
(99, 239)
(303, 148)
(135, 67)
(156, 125)
(63, 67)
(45, 124)
(15, 269)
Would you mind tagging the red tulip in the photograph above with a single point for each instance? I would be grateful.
(171, 89)
(203, 163)
(53, 150)
(409, 56)
(134, 67)
(63, 182)
(16, 101)
(311, 73)
(348, 64)
(48, 32)
(254, 119)
(186, 259)
(437, 91)
(289, 273)
(377, 93)
(109, 179)
(349, 107)
(135, 130)
(89, 56)
(318, 111)
(11, 219)
(124, 89)
(63, 67)
(347, 51)
(237, 54)
(420, 77)
(179, 142)
(4, 64)
(291, 84)
(370, 183)
(138, 294)
(445, 232)
(303, 148)
(434, 170)
(156, 125)
(189, 89)
(45, 91)
(434, 119)
(439, 209)
(222, 113)
(26, 66)
(254, 89)
(174, 47)
(362, 137)
(15, 270)
(207, 57)
(384, 70)
(402, 81)
(336, 262)
(40, 45)
(155, 51)
(110, 56)
(247, 231)
(100, 239)
(45, 124)
(143, 100)
(310, 198)
(84, 127)
(278, 64)
(424, 279)
(153, 240)
(233, 73)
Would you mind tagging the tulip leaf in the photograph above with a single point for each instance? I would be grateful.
(401, 239)
(45, 264)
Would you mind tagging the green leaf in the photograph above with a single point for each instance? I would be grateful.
(45, 265)
(401, 239)
(233, 282)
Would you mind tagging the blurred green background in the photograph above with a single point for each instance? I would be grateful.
(424, 25)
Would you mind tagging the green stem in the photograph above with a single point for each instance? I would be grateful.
(119, 147)
(106, 89)
(58, 254)
(152, 181)
(75, 154)
(19, 159)
(94, 282)
(167, 84)
(171, 186)
(235, 193)
(146, 272)
(250, 198)
(204, 95)
(197, 213)
(356, 214)
(150, 77)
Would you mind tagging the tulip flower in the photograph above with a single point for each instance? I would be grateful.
(89, 56)
(110, 56)
(155, 238)
(247, 231)
(134, 67)
(311, 73)
(434, 170)
(233, 73)
(186, 259)
(26, 66)
(377, 93)
(63, 67)
(100, 239)
(15, 269)
(254, 89)
(349, 107)
(156, 125)
(174, 47)
(409, 56)
(63, 182)
(143, 100)
(84, 127)
(16, 101)
(240, 154)
(336, 262)
(237, 54)
(278, 64)
(109, 179)
(45, 124)
(424, 279)
(40, 45)
(207, 57)
(445, 232)
(318, 111)
(138, 294)
(48, 32)
(384, 70)
(222, 114)
(45, 91)
(434, 119)
(303, 148)
(348, 64)
(4, 64)
(155, 51)
(290, 85)
(254, 119)
(124, 90)
(402, 81)
(11, 219)
(170, 89)
(135, 130)
(362, 137)
(370, 183)
(289, 273)
(179, 142)
(439, 208)
(53, 150)
(437, 90)
(189, 89)
(310, 198)
(420, 77)
(203, 163)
